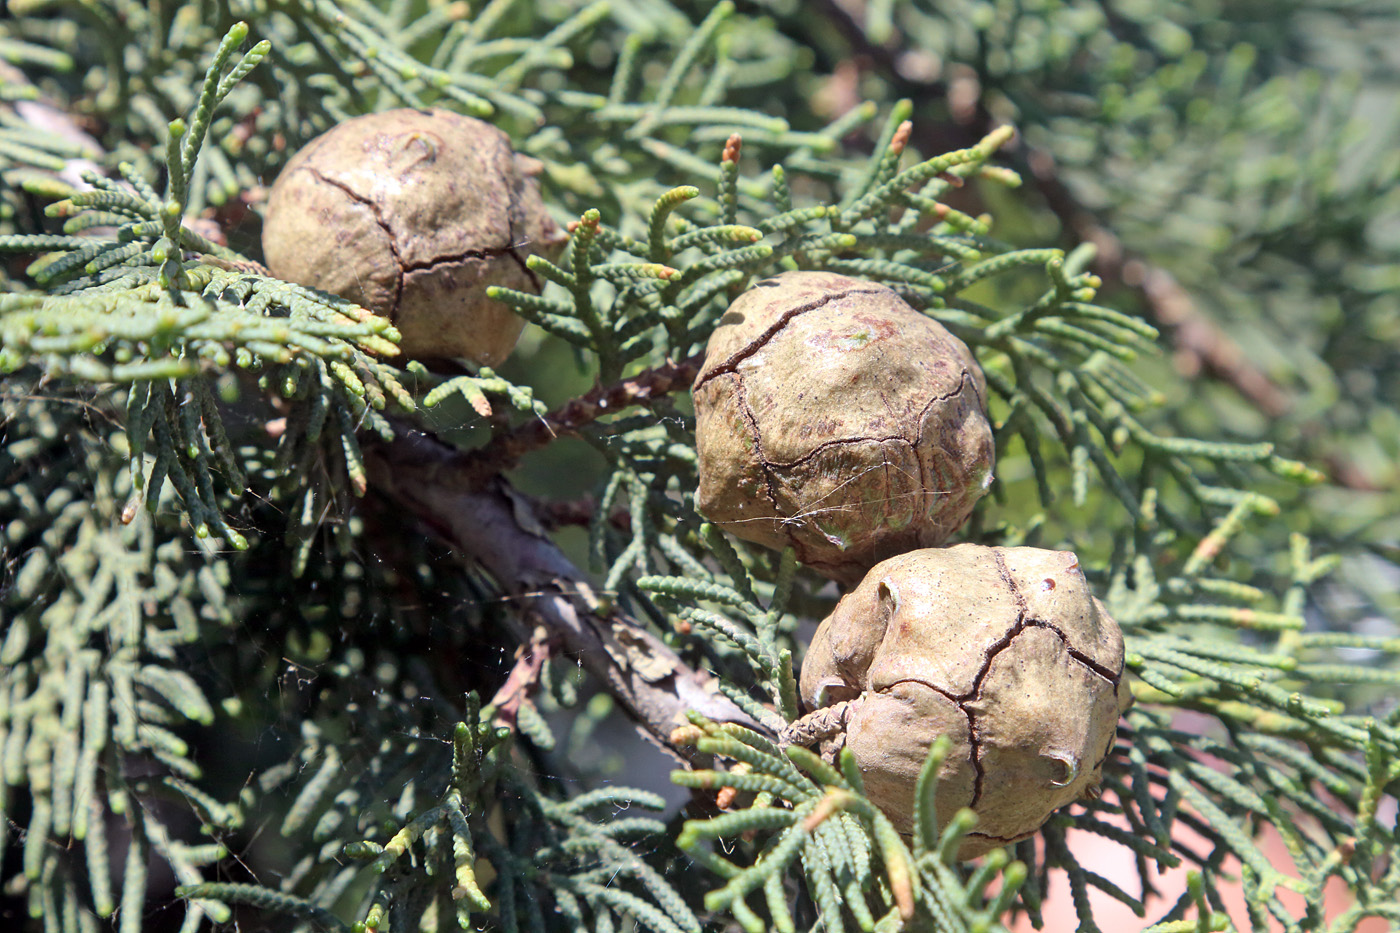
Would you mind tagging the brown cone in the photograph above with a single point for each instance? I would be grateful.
(1004, 650)
(833, 417)
(413, 214)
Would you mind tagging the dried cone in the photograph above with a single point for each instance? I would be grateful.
(833, 417)
(413, 213)
(1004, 650)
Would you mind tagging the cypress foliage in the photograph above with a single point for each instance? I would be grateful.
(296, 632)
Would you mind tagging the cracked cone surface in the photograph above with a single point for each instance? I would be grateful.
(833, 417)
(1004, 650)
(413, 214)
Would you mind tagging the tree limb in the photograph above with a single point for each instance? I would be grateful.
(1199, 343)
(524, 679)
(496, 528)
(505, 450)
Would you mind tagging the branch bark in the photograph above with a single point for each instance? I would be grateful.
(495, 527)
(524, 679)
(1199, 343)
(505, 450)
(483, 519)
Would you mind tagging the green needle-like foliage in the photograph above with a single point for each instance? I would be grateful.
(258, 572)
(100, 617)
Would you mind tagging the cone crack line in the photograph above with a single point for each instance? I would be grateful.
(731, 365)
(487, 253)
(931, 481)
(354, 195)
(884, 439)
(973, 740)
(752, 422)
(1022, 623)
(510, 250)
(973, 694)
(529, 273)
(1093, 666)
(401, 267)
(963, 380)
(1108, 752)
(1005, 573)
(923, 683)
(992, 651)
(923, 414)
(1025, 621)
(827, 445)
(1087, 661)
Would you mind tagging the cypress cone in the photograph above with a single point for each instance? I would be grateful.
(413, 214)
(1005, 651)
(834, 418)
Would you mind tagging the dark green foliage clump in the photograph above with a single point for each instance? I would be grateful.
(99, 616)
(257, 575)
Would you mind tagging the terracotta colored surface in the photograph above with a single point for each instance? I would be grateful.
(1114, 863)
